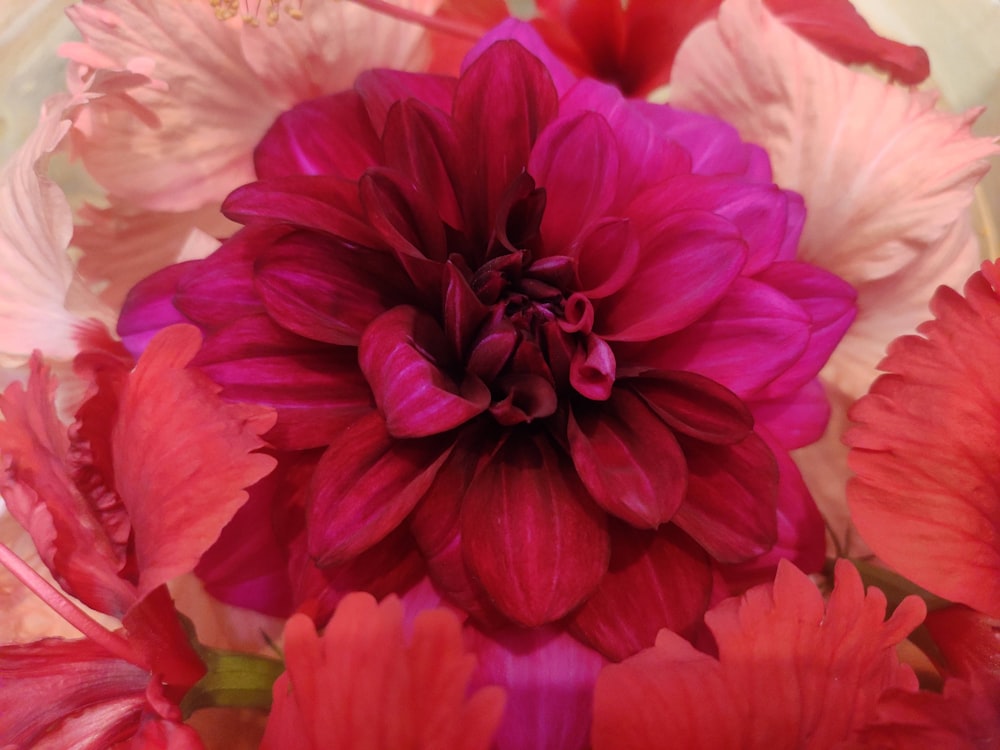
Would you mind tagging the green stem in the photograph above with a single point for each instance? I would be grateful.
(233, 680)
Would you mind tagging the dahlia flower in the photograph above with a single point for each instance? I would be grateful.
(527, 365)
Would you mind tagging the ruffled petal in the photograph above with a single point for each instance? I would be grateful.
(790, 672)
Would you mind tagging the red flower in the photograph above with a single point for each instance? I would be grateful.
(529, 324)
(118, 505)
(633, 44)
(791, 673)
(927, 493)
(363, 685)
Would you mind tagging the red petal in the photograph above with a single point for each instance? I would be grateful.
(405, 218)
(503, 101)
(628, 459)
(183, 457)
(401, 355)
(531, 533)
(366, 483)
(730, 508)
(695, 406)
(325, 291)
(655, 580)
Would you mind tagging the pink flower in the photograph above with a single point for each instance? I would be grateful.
(365, 685)
(887, 180)
(118, 505)
(791, 672)
(525, 366)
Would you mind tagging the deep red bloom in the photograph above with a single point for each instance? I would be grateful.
(529, 324)
(633, 44)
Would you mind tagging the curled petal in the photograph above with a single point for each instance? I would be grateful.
(400, 355)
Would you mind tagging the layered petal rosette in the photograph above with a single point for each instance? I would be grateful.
(522, 325)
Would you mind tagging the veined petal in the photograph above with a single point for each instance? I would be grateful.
(655, 580)
(628, 459)
(402, 355)
(531, 533)
(365, 484)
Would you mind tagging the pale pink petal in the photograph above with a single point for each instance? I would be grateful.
(214, 88)
(887, 181)
(35, 230)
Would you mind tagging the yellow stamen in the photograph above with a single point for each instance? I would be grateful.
(251, 11)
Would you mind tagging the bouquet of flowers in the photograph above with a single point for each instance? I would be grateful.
(443, 374)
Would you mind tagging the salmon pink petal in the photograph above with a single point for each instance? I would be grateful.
(365, 485)
(688, 266)
(839, 30)
(402, 355)
(538, 712)
(927, 493)
(183, 458)
(531, 533)
(628, 459)
(297, 144)
(505, 96)
(655, 580)
(889, 214)
(731, 499)
(790, 672)
(364, 684)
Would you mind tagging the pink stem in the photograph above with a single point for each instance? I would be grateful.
(433, 23)
(62, 606)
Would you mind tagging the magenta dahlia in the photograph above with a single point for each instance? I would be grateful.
(549, 343)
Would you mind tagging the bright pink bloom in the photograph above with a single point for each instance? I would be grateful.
(633, 44)
(118, 505)
(887, 178)
(791, 672)
(365, 685)
(528, 322)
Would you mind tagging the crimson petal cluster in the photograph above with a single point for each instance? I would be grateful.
(541, 339)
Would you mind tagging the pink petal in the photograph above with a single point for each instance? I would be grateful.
(382, 89)
(687, 265)
(572, 192)
(183, 458)
(791, 673)
(365, 484)
(888, 215)
(751, 337)
(732, 497)
(531, 533)
(403, 355)
(548, 678)
(628, 459)
(655, 580)
(927, 496)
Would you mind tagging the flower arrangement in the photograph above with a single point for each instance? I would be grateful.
(438, 373)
